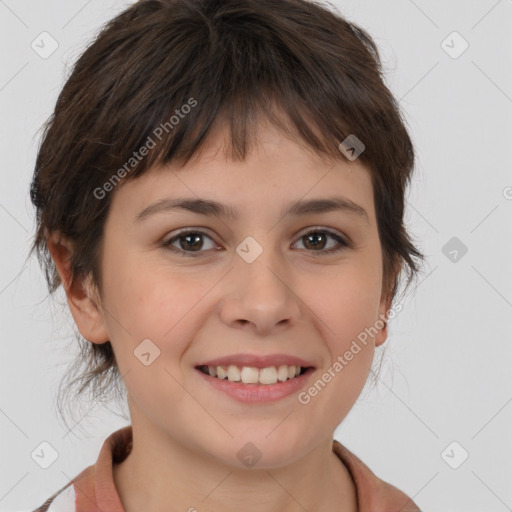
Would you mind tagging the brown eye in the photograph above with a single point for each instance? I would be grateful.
(189, 242)
(317, 240)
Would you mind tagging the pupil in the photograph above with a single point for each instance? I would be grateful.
(196, 236)
(314, 236)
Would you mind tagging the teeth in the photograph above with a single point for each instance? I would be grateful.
(282, 373)
(268, 375)
(251, 375)
(233, 373)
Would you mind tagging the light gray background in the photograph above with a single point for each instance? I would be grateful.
(446, 376)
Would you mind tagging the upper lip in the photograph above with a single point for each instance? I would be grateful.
(257, 361)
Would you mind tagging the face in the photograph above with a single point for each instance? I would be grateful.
(261, 283)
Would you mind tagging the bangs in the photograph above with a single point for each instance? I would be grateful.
(229, 68)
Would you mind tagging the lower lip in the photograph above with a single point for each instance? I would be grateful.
(257, 393)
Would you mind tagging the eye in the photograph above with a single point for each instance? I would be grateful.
(190, 242)
(187, 240)
(316, 241)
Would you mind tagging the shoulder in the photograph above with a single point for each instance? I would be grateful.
(95, 484)
(61, 501)
(373, 494)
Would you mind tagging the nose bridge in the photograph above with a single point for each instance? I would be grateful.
(260, 287)
(258, 268)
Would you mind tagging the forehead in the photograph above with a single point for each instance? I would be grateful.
(277, 171)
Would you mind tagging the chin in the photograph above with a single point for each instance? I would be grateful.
(260, 452)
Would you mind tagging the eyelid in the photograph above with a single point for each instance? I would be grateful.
(331, 231)
(344, 242)
(302, 233)
(190, 230)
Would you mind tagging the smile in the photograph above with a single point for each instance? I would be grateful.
(255, 385)
(251, 375)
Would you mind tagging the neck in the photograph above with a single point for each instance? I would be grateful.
(160, 471)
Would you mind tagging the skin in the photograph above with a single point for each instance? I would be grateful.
(186, 434)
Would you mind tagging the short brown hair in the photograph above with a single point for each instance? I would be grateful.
(237, 59)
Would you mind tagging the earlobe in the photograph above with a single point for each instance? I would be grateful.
(382, 325)
(385, 306)
(382, 334)
(79, 293)
(382, 322)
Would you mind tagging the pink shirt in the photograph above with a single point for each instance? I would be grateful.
(93, 490)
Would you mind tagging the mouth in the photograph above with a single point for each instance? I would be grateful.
(256, 378)
(252, 385)
(251, 375)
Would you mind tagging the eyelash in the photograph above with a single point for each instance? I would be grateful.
(194, 254)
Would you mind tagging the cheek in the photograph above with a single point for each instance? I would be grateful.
(147, 303)
(151, 327)
(347, 309)
(347, 302)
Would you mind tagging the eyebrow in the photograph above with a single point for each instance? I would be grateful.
(210, 207)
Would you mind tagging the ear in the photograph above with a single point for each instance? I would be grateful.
(385, 306)
(382, 335)
(80, 295)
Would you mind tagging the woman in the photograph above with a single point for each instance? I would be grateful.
(220, 191)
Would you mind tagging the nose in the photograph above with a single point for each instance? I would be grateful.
(260, 297)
